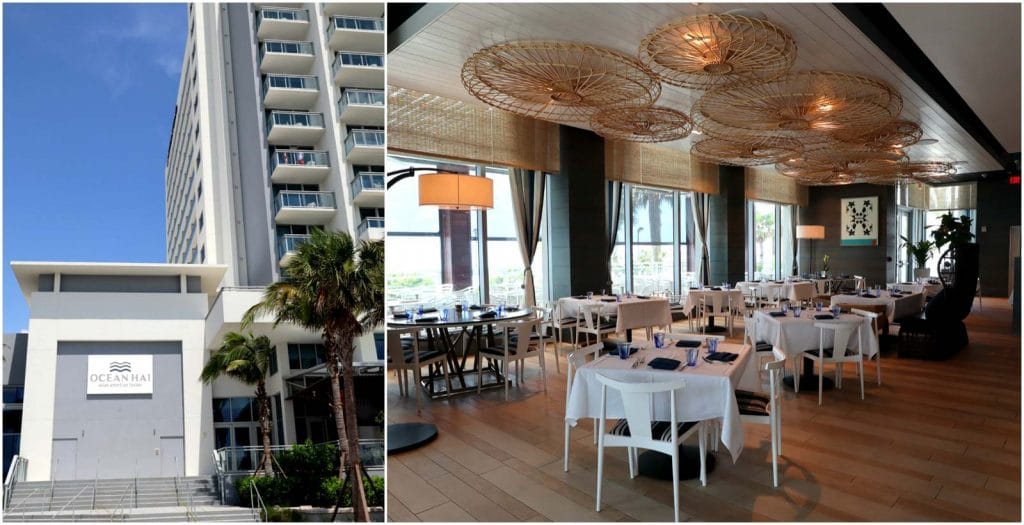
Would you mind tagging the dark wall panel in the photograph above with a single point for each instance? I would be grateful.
(581, 225)
(998, 210)
(726, 227)
(875, 263)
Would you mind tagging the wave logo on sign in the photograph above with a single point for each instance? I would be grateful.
(120, 366)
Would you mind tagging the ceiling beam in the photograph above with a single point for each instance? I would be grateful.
(875, 21)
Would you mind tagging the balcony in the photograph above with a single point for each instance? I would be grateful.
(367, 9)
(372, 229)
(362, 106)
(356, 33)
(294, 127)
(360, 70)
(299, 167)
(290, 91)
(280, 23)
(368, 189)
(365, 146)
(304, 207)
(277, 56)
(286, 246)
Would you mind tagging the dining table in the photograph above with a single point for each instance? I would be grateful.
(467, 328)
(795, 291)
(709, 393)
(794, 335)
(927, 289)
(897, 305)
(634, 311)
(694, 296)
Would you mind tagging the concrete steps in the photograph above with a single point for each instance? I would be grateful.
(154, 514)
(78, 495)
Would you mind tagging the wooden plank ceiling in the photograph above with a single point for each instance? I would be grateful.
(432, 60)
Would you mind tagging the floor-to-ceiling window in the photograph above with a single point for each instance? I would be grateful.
(652, 250)
(442, 249)
(769, 240)
(932, 220)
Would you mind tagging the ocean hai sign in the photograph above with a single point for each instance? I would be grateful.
(120, 374)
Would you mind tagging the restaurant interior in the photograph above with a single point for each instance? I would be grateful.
(698, 261)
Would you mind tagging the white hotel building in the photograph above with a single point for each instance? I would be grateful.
(278, 128)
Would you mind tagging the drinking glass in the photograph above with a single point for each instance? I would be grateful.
(408, 314)
(712, 345)
(590, 295)
(420, 310)
(691, 357)
(603, 291)
(836, 311)
(659, 340)
(444, 315)
(623, 350)
(797, 310)
(785, 308)
(817, 306)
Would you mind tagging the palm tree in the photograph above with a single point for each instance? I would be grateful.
(337, 288)
(247, 358)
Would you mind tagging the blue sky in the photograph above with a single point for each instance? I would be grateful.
(88, 101)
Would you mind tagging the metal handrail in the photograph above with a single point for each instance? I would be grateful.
(70, 501)
(120, 501)
(23, 500)
(252, 488)
(15, 473)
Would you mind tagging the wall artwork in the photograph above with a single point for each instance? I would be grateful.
(859, 222)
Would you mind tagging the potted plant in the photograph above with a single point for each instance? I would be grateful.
(954, 234)
(824, 265)
(921, 252)
(952, 231)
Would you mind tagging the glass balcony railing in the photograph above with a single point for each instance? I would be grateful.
(362, 97)
(281, 13)
(290, 82)
(304, 199)
(281, 46)
(295, 118)
(367, 181)
(357, 23)
(289, 242)
(371, 223)
(14, 395)
(364, 137)
(299, 158)
(357, 60)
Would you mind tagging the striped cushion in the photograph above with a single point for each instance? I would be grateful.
(762, 347)
(660, 430)
(752, 403)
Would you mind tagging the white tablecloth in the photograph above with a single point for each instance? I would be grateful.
(794, 335)
(929, 290)
(632, 312)
(693, 297)
(709, 392)
(895, 307)
(795, 291)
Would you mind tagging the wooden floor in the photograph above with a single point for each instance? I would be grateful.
(938, 441)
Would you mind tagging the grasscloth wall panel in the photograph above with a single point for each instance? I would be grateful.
(658, 166)
(763, 183)
(433, 126)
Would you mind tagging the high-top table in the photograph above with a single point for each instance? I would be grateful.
(896, 306)
(794, 335)
(631, 312)
(710, 393)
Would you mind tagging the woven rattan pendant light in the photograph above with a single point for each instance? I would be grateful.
(758, 153)
(802, 105)
(895, 134)
(836, 165)
(710, 50)
(929, 171)
(641, 124)
(557, 81)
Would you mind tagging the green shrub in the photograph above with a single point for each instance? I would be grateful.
(273, 490)
(374, 487)
(278, 514)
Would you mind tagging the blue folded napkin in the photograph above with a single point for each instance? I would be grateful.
(777, 314)
(402, 315)
(511, 308)
(664, 363)
(643, 297)
(475, 307)
(427, 320)
(722, 356)
(488, 315)
(429, 309)
(608, 300)
(824, 316)
(686, 343)
(869, 296)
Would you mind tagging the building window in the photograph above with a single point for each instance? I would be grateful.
(378, 341)
(273, 362)
(652, 244)
(769, 240)
(305, 355)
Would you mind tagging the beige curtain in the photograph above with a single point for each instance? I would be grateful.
(701, 218)
(527, 208)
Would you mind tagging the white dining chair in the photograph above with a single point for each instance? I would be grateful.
(589, 322)
(557, 323)
(765, 407)
(839, 353)
(639, 430)
(721, 306)
(520, 342)
(873, 316)
(574, 361)
(402, 359)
